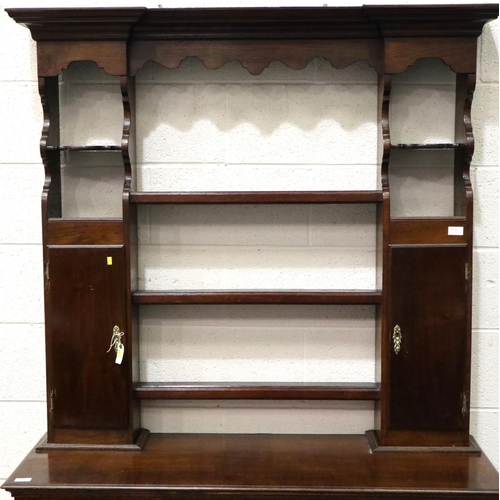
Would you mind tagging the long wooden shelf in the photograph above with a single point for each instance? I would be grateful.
(86, 149)
(253, 466)
(429, 146)
(257, 390)
(265, 197)
(257, 297)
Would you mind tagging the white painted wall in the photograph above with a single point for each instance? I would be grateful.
(227, 130)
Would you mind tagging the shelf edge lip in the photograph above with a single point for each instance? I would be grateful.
(257, 297)
(89, 148)
(76, 220)
(368, 391)
(429, 146)
(255, 197)
(344, 22)
(450, 219)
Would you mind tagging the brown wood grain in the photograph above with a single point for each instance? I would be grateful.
(428, 374)
(256, 466)
(85, 232)
(257, 390)
(471, 449)
(241, 197)
(257, 297)
(382, 347)
(77, 24)
(53, 57)
(87, 389)
(426, 282)
(428, 230)
(255, 55)
(457, 53)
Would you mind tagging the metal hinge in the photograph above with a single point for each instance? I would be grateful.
(47, 275)
(51, 402)
(464, 404)
(468, 271)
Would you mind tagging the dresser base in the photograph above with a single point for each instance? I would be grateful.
(252, 466)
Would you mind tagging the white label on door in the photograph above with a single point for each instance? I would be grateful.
(119, 353)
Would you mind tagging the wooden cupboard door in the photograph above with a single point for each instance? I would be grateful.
(428, 301)
(87, 299)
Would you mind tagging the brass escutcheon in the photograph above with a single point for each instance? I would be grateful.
(116, 339)
(397, 337)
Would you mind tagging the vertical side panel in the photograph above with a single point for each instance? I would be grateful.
(383, 218)
(130, 236)
(49, 94)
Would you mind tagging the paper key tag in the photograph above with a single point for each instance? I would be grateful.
(119, 354)
(455, 231)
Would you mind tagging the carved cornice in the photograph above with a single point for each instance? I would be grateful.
(255, 24)
(78, 24)
(431, 20)
(313, 23)
(383, 36)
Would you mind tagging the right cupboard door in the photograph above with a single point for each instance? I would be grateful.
(428, 344)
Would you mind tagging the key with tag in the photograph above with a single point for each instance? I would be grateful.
(120, 350)
(117, 344)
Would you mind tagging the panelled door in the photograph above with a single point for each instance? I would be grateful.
(87, 300)
(428, 338)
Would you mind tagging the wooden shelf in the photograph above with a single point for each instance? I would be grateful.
(257, 297)
(428, 146)
(257, 390)
(85, 149)
(253, 466)
(270, 197)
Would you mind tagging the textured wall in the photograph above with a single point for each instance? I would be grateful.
(226, 130)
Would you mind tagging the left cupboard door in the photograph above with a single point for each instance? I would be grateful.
(88, 390)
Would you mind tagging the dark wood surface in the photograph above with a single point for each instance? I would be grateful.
(242, 197)
(257, 297)
(48, 89)
(53, 57)
(90, 149)
(255, 54)
(428, 386)
(256, 23)
(78, 24)
(458, 20)
(324, 23)
(84, 232)
(257, 390)
(258, 36)
(86, 388)
(215, 466)
(458, 53)
(428, 146)
(424, 395)
(427, 230)
(471, 449)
